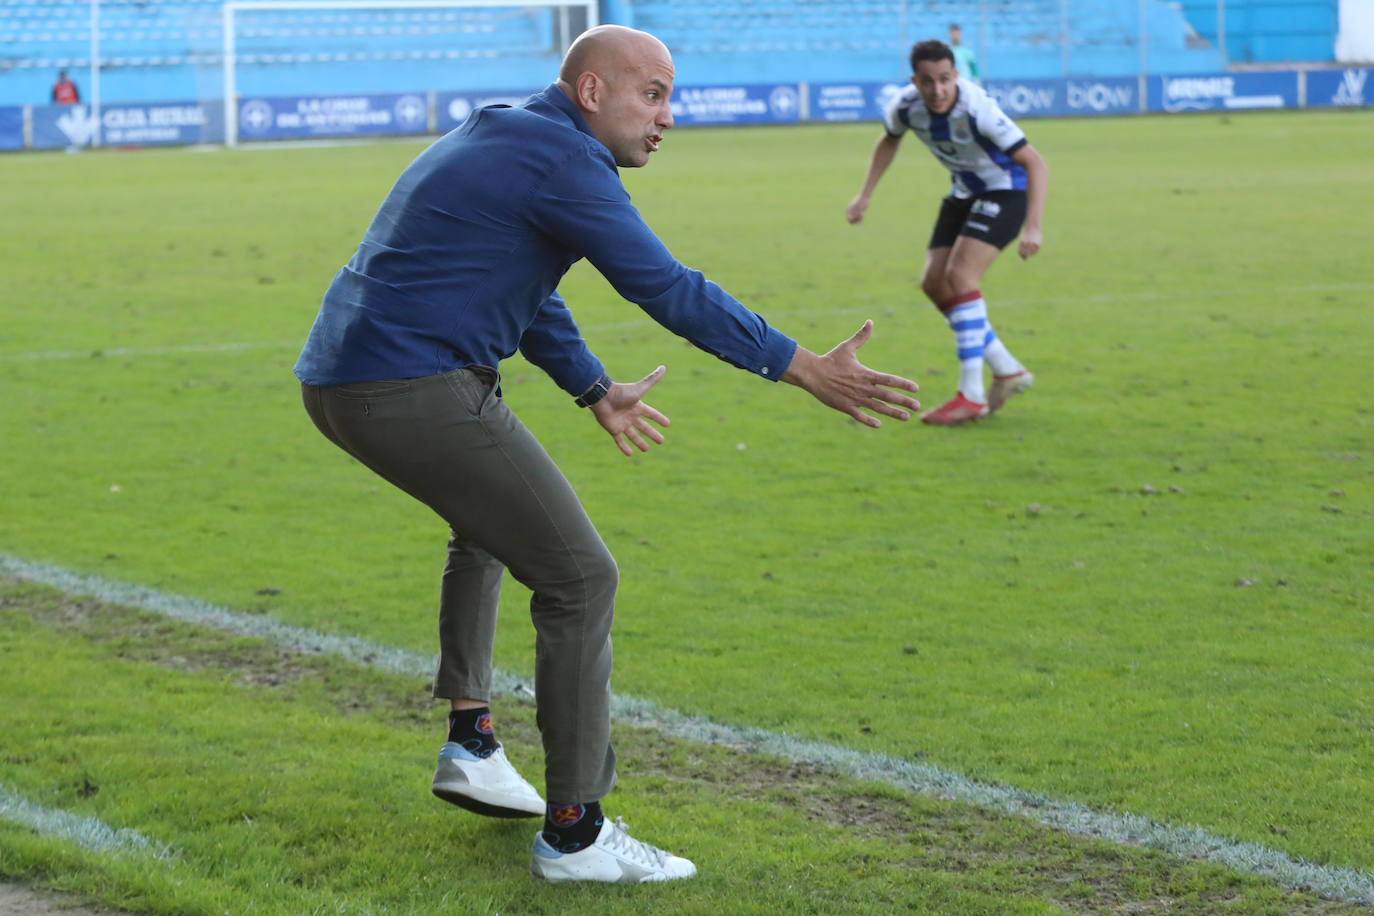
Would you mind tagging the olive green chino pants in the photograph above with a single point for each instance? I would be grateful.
(450, 441)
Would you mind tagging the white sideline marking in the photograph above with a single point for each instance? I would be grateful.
(1348, 884)
(88, 832)
(100, 353)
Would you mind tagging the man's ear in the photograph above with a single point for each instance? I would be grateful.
(589, 90)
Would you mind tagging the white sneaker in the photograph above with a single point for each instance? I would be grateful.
(486, 785)
(616, 857)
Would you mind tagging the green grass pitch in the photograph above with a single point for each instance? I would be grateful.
(1144, 586)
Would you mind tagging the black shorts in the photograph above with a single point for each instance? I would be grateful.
(994, 217)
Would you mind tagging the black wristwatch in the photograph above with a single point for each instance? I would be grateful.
(596, 392)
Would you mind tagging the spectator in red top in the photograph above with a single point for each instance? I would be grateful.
(64, 91)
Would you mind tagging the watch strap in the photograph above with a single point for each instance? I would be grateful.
(595, 393)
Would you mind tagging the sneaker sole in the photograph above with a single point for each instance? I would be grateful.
(477, 806)
(571, 879)
(560, 877)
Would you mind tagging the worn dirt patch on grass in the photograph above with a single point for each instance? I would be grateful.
(16, 900)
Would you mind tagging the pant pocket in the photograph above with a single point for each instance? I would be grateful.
(373, 391)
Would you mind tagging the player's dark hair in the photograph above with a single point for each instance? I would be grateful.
(932, 49)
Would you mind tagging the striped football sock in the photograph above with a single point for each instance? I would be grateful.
(968, 318)
(998, 357)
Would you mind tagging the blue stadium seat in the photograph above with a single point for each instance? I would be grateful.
(169, 49)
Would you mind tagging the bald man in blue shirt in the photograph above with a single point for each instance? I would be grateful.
(459, 270)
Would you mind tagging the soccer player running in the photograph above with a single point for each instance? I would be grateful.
(999, 185)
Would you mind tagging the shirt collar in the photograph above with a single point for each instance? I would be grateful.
(554, 97)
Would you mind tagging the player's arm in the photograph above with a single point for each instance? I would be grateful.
(883, 154)
(1037, 188)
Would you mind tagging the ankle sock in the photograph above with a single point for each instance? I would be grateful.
(569, 828)
(471, 728)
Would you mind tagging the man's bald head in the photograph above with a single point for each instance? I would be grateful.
(609, 50)
(621, 79)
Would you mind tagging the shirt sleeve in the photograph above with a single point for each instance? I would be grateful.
(584, 206)
(892, 117)
(994, 124)
(554, 344)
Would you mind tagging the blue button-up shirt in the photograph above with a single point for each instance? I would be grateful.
(461, 264)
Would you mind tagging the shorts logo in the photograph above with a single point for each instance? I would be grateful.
(988, 208)
(566, 815)
(484, 724)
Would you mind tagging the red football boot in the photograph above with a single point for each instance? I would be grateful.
(957, 410)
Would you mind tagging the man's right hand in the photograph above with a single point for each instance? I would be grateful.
(839, 380)
(622, 414)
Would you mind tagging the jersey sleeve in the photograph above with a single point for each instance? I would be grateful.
(892, 118)
(994, 124)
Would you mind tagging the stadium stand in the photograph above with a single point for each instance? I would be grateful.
(722, 41)
(1270, 31)
(171, 49)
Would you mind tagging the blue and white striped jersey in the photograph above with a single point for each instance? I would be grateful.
(974, 140)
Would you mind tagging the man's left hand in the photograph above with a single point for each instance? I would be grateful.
(837, 379)
(622, 414)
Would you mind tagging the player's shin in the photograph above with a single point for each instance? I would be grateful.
(968, 318)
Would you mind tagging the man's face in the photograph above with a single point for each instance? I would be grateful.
(938, 84)
(635, 111)
(956, 35)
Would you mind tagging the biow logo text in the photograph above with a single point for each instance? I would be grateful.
(1101, 97)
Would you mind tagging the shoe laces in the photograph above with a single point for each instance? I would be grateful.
(621, 842)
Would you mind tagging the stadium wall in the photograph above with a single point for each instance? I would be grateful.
(268, 118)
